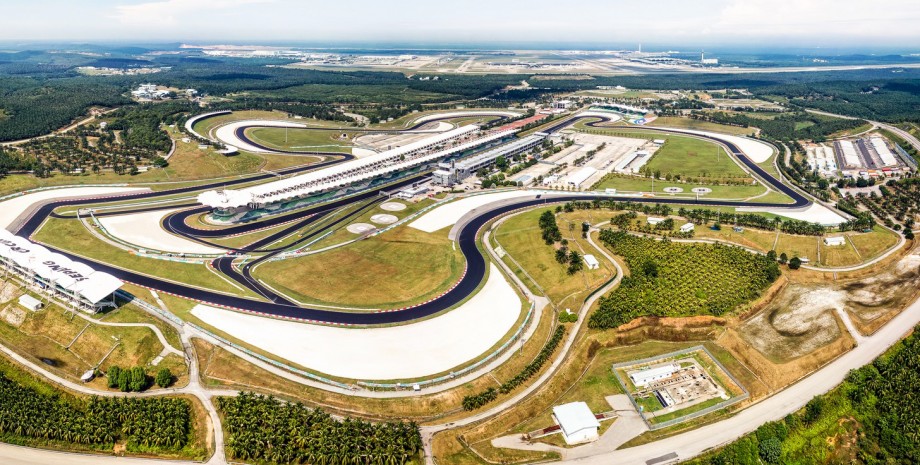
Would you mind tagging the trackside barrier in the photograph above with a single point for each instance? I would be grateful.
(689, 416)
(455, 374)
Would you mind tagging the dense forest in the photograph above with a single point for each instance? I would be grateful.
(786, 127)
(676, 279)
(869, 419)
(145, 424)
(41, 92)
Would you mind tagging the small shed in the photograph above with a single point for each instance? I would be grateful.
(652, 220)
(687, 228)
(30, 302)
(88, 376)
(577, 422)
(591, 262)
(833, 241)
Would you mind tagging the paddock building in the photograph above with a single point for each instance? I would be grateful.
(647, 376)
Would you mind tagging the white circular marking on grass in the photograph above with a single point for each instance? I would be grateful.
(360, 228)
(702, 190)
(393, 206)
(673, 190)
(382, 218)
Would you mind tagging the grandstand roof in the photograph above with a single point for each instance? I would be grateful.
(76, 277)
(347, 172)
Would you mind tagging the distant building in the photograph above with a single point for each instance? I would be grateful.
(836, 240)
(578, 423)
(687, 228)
(652, 220)
(579, 177)
(562, 104)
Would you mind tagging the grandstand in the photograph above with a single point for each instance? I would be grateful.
(56, 275)
(391, 162)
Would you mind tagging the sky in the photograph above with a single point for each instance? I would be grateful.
(754, 23)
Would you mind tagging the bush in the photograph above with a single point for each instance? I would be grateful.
(795, 263)
(164, 378)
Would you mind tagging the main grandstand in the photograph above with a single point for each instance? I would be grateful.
(343, 178)
(55, 275)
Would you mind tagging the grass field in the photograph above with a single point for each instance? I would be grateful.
(303, 139)
(687, 123)
(68, 345)
(400, 267)
(798, 246)
(640, 184)
(72, 236)
(520, 237)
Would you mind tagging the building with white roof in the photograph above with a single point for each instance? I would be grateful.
(388, 163)
(578, 423)
(56, 274)
(591, 262)
(836, 240)
(846, 152)
(643, 378)
(687, 227)
(579, 177)
(881, 148)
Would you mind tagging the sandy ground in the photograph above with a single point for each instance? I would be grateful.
(757, 151)
(448, 214)
(799, 321)
(12, 208)
(144, 230)
(414, 350)
(816, 213)
(227, 133)
(361, 152)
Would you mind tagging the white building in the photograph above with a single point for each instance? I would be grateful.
(643, 378)
(653, 220)
(687, 227)
(562, 104)
(579, 177)
(578, 423)
(591, 262)
(836, 240)
(30, 302)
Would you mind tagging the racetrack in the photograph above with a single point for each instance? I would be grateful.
(278, 306)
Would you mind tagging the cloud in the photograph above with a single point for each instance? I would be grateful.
(167, 13)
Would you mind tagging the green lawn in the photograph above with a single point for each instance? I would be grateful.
(687, 123)
(520, 237)
(401, 267)
(303, 139)
(640, 184)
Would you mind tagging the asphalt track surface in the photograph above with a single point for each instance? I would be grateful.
(466, 240)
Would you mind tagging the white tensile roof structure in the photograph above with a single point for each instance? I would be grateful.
(348, 172)
(76, 277)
